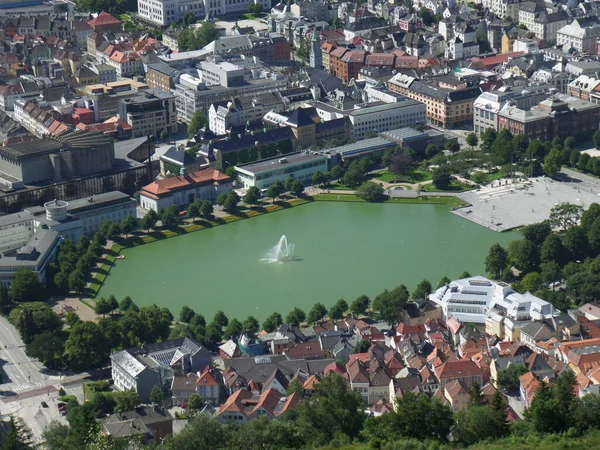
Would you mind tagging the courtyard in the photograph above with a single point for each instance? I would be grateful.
(508, 204)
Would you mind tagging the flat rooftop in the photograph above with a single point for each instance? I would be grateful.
(32, 148)
(273, 163)
(385, 107)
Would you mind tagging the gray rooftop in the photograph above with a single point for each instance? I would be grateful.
(43, 242)
(273, 163)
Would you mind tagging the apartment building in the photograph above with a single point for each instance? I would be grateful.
(581, 35)
(558, 116)
(447, 105)
(239, 111)
(106, 97)
(161, 76)
(149, 113)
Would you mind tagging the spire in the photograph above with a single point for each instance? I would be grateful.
(315, 36)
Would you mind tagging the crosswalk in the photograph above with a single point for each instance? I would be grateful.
(26, 386)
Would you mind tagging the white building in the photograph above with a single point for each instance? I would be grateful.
(300, 165)
(215, 71)
(479, 300)
(165, 12)
(376, 118)
(239, 111)
(504, 8)
(35, 255)
(581, 35)
(204, 184)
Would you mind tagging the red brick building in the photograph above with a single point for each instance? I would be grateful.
(105, 22)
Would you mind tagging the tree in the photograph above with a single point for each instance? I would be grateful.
(336, 172)
(156, 322)
(34, 318)
(170, 216)
(426, 16)
(221, 198)
(370, 192)
(252, 196)
(149, 220)
(442, 177)
(201, 433)
(389, 306)
(275, 190)
(554, 250)
(509, 379)
(452, 145)
(552, 163)
(596, 139)
(295, 317)
(523, 255)
(475, 395)
(576, 242)
(423, 290)
(206, 210)
(198, 121)
(111, 332)
(234, 329)
(193, 210)
(26, 287)
(589, 216)
(334, 409)
(186, 314)
(77, 281)
(537, 233)
(354, 176)
(565, 215)
(195, 403)
(401, 164)
(127, 304)
(478, 423)
(359, 306)
(220, 319)
(532, 282)
(272, 322)
(550, 272)
(496, 260)
(16, 437)
(71, 318)
(336, 312)
(231, 201)
(156, 395)
(319, 178)
(251, 324)
(85, 346)
(102, 306)
(316, 313)
(472, 140)
(129, 224)
(126, 400)
(5, 302)
(55, 436)
(297, 188)
(47, 347)
(336, 23)
(361, 346)
(189, 19)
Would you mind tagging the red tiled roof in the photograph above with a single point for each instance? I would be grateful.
(206, 378)
(339, 52)
(456, 369)
(103, 18)
(234, 402)
(121, 57)
(498, 59)
(380, 59)
(166, 186)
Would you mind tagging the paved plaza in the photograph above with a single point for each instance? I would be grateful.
(509, 204)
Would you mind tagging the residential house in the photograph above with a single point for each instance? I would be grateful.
(463, 370)
(208, 385)
(457, 395)
(182, 387)
(242, 406)
(580, 35)
(150, 424)
(528, 386)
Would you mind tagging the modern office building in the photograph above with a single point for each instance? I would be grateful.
(300, 165)
(150, 112)
(165, 12)
(480, 300)
(35, 255)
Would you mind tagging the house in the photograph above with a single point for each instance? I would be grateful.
(463, 370)
(229, 349)
(142, 368)
(182, 190)
(277, 381)
(242, 405)
(208, 385)
(457, 395)
(105, 22)
(150, 424)
(528, 386)
(183, 387)
(533, 332)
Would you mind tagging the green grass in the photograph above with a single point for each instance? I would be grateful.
(454, 187)
(418, 176)
(142, 238)
(453, 202)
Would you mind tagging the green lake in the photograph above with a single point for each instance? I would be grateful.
(342, 250)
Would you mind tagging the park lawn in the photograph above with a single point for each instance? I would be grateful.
(454, 187)
(453, 202)
(418, 176)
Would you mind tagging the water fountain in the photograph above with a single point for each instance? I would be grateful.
(283, 251)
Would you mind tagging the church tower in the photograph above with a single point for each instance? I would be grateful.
(316, 56)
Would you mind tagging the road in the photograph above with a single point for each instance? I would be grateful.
(22, 372)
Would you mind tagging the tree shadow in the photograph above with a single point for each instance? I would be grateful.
(283, 204)
(99, 270)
